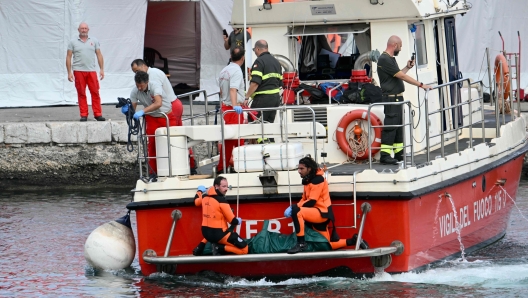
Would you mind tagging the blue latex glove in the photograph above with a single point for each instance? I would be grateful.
(139, 114)
(124, 109)
(288, 212)
(239, 220)
(238, 109)
(202, 188)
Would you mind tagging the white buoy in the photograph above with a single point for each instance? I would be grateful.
(111, 245)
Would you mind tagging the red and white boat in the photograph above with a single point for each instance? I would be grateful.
(454, 192)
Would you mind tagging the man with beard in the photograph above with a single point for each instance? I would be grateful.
(216, 214)
(391, 81)
(84, 49)
(315, 209)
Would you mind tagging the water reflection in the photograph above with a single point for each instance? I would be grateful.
(42, 239)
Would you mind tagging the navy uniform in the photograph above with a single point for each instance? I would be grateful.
(267, 73)
(393, 88)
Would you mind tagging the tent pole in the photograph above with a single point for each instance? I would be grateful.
(245, 44)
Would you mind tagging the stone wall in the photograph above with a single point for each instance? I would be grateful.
(66, 154)
(70, 155)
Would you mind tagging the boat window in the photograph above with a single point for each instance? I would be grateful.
(328, 52)
(327, 29)
(421, 47)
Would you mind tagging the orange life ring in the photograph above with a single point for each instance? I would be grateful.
(506, 78)
(345, 122)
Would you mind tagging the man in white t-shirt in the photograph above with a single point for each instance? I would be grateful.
(231, 83)
(157, 75)
(154, 100)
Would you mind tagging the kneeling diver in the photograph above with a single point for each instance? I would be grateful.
(315, 208)
(216, 213)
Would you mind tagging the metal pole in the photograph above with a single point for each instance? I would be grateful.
(223, 142)
(427, 138)
(502, 92)
(411, 132)
(176, 214)
(246, 81)
(512, 114)
(442, 117)
(481, 96)
(403, 135)
(470, 117)
(455, 108)
(518, 77)
(492, 98)
(365, 207)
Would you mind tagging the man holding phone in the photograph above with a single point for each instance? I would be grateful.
(391, 81)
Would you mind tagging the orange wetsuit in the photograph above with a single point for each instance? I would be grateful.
(216, 213)
(315, 208)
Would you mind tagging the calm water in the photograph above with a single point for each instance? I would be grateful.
(42, 237)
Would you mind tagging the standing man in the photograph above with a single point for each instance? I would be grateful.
(157, 75)
(391, 81)
(266, 80)
(83, 49)
(232, 97)
(236, 39)
(216, 214)
(151, 96)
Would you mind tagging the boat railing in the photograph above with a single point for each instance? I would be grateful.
(205, 115)
(284, 128)
(454, 109)
(402, 104)
(142, 144)
(143, 137)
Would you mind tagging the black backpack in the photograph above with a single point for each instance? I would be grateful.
(317, 96)
(362, 93)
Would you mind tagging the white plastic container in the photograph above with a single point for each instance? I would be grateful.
(179, 154)
(282, 156)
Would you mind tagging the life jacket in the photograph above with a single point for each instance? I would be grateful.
(216, 212)
(317, 195)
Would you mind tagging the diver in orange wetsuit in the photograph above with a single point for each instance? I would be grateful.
(315, 208)
(216, 213)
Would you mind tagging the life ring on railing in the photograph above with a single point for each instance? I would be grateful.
(341, 136)
(506, 78)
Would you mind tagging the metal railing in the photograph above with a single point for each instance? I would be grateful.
(143, 137)
(370, 126)
(456, 127)
(282, 110)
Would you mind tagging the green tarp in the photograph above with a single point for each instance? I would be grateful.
(270, 242)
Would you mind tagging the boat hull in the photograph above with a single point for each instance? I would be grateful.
(426, 225)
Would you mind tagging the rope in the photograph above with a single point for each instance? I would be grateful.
(134, 125)
(360, 145)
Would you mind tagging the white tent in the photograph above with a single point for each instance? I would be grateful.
(34, 36)
(479, 28)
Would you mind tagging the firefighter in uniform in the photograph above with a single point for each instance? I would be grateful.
(216, 213)
(391, 81)
(266, 80)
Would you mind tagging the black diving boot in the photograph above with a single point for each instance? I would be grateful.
(299, 246)
(218, 249)
(352, 241)
(386, 159)
(198, 251)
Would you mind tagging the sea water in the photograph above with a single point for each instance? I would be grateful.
(42, 236)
